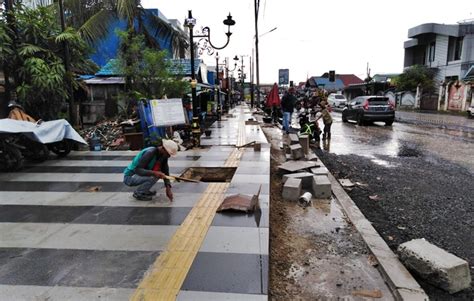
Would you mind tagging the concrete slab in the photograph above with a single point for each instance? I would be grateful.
(292, 189)
(292, 166)
(306, 177)
(320, 171)
(435, 265)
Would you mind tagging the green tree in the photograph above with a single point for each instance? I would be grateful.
(92, 19)
(149, 70)
(414, 76)
(33, 52)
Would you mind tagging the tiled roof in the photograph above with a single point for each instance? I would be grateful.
(349, 79)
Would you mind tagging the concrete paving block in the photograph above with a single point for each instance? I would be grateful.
(293, 166)
(304, 142)
(311, 156)
(306, 177)
(296, 151)
(435, 265)
(321, 187)
(320, 171)
(292, 189)
(294, 139)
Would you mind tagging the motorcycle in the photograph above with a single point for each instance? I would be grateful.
(34, 141)
(11, 158)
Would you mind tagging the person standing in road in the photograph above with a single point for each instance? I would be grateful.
(327, 120)
(288, 102)
(148, 166)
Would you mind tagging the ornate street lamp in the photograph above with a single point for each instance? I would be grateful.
(203, 44)
(229, 82)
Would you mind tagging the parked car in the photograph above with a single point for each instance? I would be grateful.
(364, 109)
(337, 100)
(470, 111)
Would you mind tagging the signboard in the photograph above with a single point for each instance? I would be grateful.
(283, 76)
(167, 112)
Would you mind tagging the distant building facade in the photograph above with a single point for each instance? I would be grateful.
(448, 49)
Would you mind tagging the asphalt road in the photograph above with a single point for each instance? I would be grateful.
(415, 182)
(378, 140)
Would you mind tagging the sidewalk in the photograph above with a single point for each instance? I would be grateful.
(449, 121)
(72, 231)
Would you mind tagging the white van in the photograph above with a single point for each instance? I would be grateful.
(337, 100)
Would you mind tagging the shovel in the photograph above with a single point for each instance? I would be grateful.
(179, 179)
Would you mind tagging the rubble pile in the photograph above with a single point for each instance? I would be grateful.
(304, 176)
(109, 132)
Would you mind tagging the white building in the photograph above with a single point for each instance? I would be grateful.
(448, 49)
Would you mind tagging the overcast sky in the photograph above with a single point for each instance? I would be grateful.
(312, 36)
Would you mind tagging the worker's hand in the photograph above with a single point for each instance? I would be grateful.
(159, 174)
(169, 193)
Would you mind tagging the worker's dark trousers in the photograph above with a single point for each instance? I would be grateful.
(144, 183)
(327, 131)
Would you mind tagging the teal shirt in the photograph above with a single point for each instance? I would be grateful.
(144, 162)
(129, 171)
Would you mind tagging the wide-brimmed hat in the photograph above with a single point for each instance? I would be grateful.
(170, 146)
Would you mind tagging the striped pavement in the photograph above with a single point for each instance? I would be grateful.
(70, 230)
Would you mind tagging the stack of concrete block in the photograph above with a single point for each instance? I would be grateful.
(321, 187)
(292, 189)
(304, 142)
(435, 265)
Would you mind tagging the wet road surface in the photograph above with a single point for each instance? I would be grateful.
(375, 141)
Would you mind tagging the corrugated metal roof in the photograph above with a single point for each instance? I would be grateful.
(178, 67)
(114, 80)
(110, 69)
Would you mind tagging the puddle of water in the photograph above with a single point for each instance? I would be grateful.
(384, 163)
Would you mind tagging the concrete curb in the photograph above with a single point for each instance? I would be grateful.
(400, 281)
(434, 123)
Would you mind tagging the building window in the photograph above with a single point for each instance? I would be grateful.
(431, 53)
(458, 49)
(455, 48)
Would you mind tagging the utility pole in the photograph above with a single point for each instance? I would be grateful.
(257, 5)
(72, 115)
(252, 96)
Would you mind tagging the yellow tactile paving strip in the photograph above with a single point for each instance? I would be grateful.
(165, 278)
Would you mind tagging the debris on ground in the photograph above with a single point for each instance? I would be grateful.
(109, 132)
(368, 294)
(346, 183)
(94, 189)
(374, 197)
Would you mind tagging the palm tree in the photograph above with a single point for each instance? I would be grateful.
(92, 19)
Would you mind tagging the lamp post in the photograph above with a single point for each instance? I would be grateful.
(205, 36)
(229, 82)
(218, 96)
